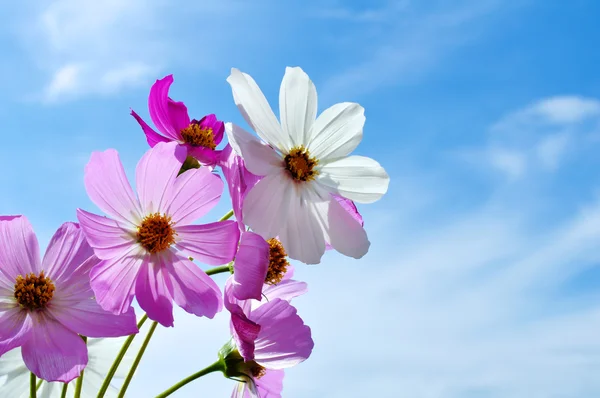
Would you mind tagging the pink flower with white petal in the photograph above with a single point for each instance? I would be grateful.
(46, 304)
(269, 336)
(147, 243)
(305, 160)
(199, 137)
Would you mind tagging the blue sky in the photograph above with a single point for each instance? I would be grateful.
(482, 279)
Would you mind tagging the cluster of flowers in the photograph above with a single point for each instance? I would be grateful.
(292, 190)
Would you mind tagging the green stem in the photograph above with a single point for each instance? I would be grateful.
(137, 360)
(217, 366)
(32, 386)
(63, 394)
(79, 383)
(39, 384)
(227, 216)
(118, 359)
(219, 270)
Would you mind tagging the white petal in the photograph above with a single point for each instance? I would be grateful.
(303, 236)
(297, 105)
(337, 131)
(256, 110)
(266, 205)
(260, 159)
(356, 178)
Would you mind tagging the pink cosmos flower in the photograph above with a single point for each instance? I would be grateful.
(45, 305)
(199, 137)
(147, 244)
(269, 336)
(303, 161)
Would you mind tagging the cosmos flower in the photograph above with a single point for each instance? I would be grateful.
(302, 162)
(147, 244)
(101, 354)
(45, 305)
(199, 137)
(268, 336)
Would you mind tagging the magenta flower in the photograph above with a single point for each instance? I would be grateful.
(199, 137)
(269, 335)
(146, 245)
(45, 305)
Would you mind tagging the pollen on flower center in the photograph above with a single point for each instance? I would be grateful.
(34, 292)
(300, 164)
(257, 370)
(196, 135)
(278, 262)
(156, 233)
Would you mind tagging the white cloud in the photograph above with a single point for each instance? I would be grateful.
(567, 109)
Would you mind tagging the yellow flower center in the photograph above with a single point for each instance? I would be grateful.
(156, 233)
(34, 292)
(300, 164)
(278, 262)
(195, 135)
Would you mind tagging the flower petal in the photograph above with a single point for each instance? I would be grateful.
(260, 159)
(87, 318)
(217, 126)
(345, 234)
(53, 352)
(243, 330)
(193, 290)
(284, 340)
(154, 290)
(107, 186)
(20, 251)
(205, 156)
(16, 326)
(297, 105)
(350, 207)
(303, 236)
(107, 237)
(113, 280)
(194, 193)
(270, 385)
(256, 110)
(267, 204)
(155, 174)
(356, 178)
(212, 244)
(250, 267)
(337, 131)
(285, 290)
(168, 116)
(152, 136)
(66, 252)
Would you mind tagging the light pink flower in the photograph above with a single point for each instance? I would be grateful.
(199, 137)
(304, 161)
(45, 305)
(146, 245)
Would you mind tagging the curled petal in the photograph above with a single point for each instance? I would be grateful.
(169, 116)
(152, 136)
(250, 267)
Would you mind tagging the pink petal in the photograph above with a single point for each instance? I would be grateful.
(15, 326)
(270, 385)
(152, 136)
(250, 267)
(193, 290)
(284, 340)
(66, 252)
(217, 126)
(205, 156)
(113, 281)
(155, 174)
(213, 244)
(243, 330)
(267, 204)
(194, 194)
(107, 237)
(87, 318)
(107, 186)
(53, 352)
(350, 207)
(154, 291)
(285, 290)
(19, 249)
(168, 116)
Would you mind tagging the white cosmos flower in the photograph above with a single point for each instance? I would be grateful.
(304, 162)
(101, 354)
